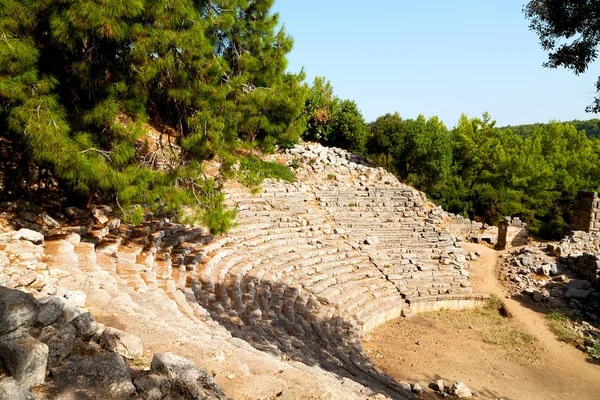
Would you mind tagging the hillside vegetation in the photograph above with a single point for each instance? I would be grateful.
(475, 168)
(82, 82)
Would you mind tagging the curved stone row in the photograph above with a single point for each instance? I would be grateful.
(309, 268)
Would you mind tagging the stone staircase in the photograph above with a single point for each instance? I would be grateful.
(285, 296)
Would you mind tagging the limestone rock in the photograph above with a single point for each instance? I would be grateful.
(460, 390)
(573, 293)
(75, 213)
(417, 388)
(29, 235)
(439, 384)
(60, 343)
(104, 376)
(49, 310)
(76, 298)
(11, 390)
(85, 325)
(122, 343)
(17, 310)
(171, 376)
(371, 240)
(25, 359)
(69, 313)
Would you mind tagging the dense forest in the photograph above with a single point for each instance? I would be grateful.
(474, 169)
(80, 82)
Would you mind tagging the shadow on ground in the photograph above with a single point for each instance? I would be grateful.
(282, 320)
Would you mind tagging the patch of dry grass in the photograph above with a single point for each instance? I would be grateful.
(492, 323)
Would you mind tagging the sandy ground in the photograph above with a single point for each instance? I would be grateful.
(547, 370)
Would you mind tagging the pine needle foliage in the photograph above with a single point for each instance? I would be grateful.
(80, 78)
(253, 171)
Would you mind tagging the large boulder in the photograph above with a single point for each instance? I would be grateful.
(85, 325)
(17, 310)
(50, 308)
(60, 343)
(171, 376)
(103, 376)
(122, 343)
(25, 359)
(11, 390)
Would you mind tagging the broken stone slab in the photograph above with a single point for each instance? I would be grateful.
(573, 293)
(17, 310)
(75, 213)
(439, 384)
(60, 343)
(371, 240)
(122, 343)
(69, 313)
(76, 298)
(11, 390)
(460, 390)
(25, 359)
(579, 284)
(50, 308)
(417, 388)
(103, 376)
(172, 376)
(85, 326)
(29, 235)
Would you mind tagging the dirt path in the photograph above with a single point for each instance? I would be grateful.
(548, 370)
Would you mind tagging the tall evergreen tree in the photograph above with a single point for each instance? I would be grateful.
(79, 78)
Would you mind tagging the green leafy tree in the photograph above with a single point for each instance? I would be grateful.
(349, 130)
(424, 156)
(79, 79)
(570, 32)
(386, 135)
(321, 106)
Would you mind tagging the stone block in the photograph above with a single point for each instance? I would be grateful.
(122, 343)
(50, 308)
(25, 359)
(17, 310)
(85, 325)
(11, 390)
(103, 376)
(60, 343)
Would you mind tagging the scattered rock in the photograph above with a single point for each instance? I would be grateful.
(49, 310)
(573, 293)
(104, 376)
(11, 390)
(17, 310)
(122, 343)
(171, 376)
(85, 325)
(26, 359)
(440, 385)
(460, 390)
(60, 343)
(417, 388)
(29, 235)
(371, 240)
(75, 213)
(405, 385)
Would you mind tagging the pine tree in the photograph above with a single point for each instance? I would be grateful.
(79, 79)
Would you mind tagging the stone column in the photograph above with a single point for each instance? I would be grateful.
(502, 233)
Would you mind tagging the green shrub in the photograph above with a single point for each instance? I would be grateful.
(253, 171)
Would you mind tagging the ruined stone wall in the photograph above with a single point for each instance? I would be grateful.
(512, 232)
(586, 212)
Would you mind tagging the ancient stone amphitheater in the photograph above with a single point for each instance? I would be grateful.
(277, 307)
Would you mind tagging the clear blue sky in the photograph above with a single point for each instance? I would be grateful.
(437, 57)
